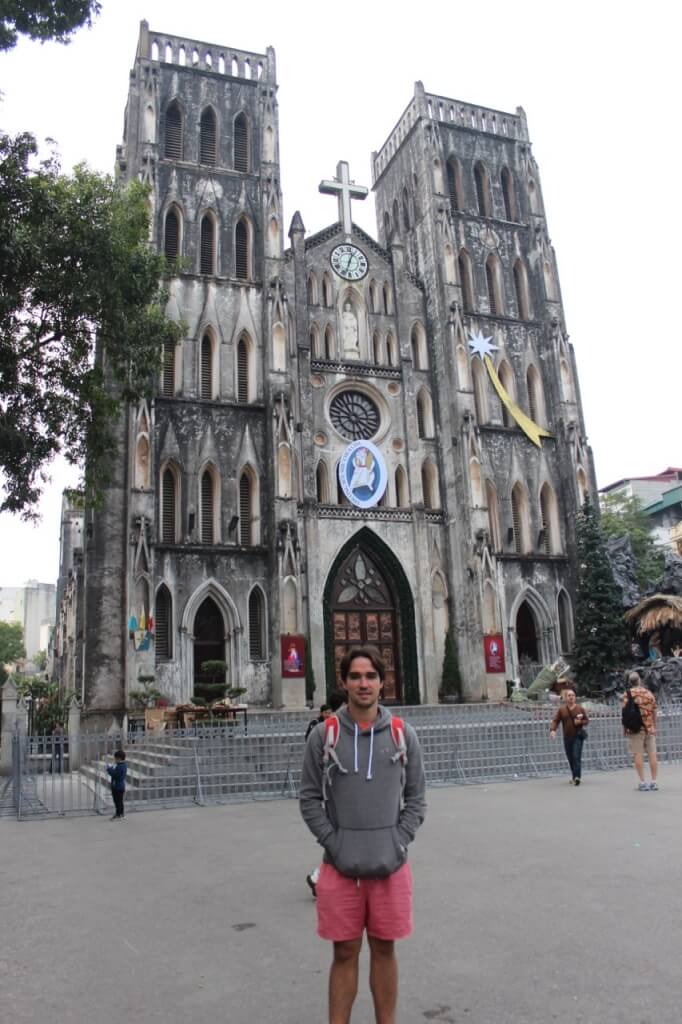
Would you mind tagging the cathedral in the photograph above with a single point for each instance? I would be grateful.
(358, 439)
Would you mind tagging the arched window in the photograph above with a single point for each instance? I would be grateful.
(536, 404)
(566, 381)
(406, 210)
(173, 137)
(462, 368)
(391, 350)
(168, 370)
(396, 217)
(208, 247)
(279, 347)
(256, 625)
(171, 235)
(312, 290)
(521, 289)
(387, 227)
(550, 543)
(508, 382)
(284, 481)
(491, 622)
(483, 190)
(520, 519)
(509, 195)
(388, 298)
(449, 260)
(466, 281)
(207, 367)
(169, 505)
(329, 346)
(208, 503)
(242, 250)
(455, 190)
(478, 374)
(142, 462)
(550, 282)
(322, 482)
(374, 297)
(438, 177)
(493, 516)
(246, 508)
(493, 277)
(243, 368)
(315, 342)
(565, 622)
(582, 486)
(376, 348)
(163, 625)
(476, 483)
(207, 137)
(241, 143)
(430, 490)
(424, 414)
(418, 343)
(402, 498)
(327, 295)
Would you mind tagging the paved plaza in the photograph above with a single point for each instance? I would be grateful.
(535, 903)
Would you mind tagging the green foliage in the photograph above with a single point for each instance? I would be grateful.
(50, 707)
(40, 660)
(622, 516)
(215, 686)
(147, 695)
(601, 639)
(11, 646)
(43, 19)
(82, 326)
(451, 683)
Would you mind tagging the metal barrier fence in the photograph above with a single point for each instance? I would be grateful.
(461, 744)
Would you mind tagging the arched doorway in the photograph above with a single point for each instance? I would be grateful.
(209, 645)
(526, 634)
(367, 600)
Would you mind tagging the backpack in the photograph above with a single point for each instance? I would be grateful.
(631, 715)
(332, 728)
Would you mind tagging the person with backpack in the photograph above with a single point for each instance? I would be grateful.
(574, 721)
(362, 797)
(639, 724)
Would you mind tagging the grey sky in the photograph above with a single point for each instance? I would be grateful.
(597, 82)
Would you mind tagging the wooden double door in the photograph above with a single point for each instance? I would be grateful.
(364, 611)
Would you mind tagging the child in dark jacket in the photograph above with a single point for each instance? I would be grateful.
(118, 774)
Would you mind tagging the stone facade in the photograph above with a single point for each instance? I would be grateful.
(225, 528)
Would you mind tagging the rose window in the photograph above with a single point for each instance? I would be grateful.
(354, 415)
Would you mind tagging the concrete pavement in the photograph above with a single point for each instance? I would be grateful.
(535, 902)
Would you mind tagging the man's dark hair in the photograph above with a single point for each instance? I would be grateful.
(120, 755)
(371, 653)
(337, 700)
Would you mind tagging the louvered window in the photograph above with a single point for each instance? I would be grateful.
(207, 245)
(207, 137)
(516, 522)
(242, 371)
(533, 405)
(168, 507)
(490, 281)
(241, 251)
(452, 188)
(465, 279)
(521, 291)
(544, 515)
(508, 194)
(168, 370)
(206, 368)
(171, 240)
(173, 147)
(482, 194)
(207, 531)
(162, 626)
(241, 143)
(244, 509)
(256, 623)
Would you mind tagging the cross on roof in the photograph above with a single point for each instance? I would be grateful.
(345, 190)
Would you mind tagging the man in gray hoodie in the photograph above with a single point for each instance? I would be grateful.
(362, 797)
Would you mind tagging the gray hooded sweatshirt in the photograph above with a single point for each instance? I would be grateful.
(356, 806)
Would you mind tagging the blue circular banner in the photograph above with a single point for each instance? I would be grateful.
(362, 472)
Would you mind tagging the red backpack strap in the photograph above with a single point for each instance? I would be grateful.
(331, 736)
(398, 737)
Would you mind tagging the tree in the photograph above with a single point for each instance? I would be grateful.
(601, 640)
(82, 327)
(451, 682)
(11, 646)
(621, 516)
(43, 19)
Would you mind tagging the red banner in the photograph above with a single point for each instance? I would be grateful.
(493, 650)
(292, 650)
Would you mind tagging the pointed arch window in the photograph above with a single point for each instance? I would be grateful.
(168, 370)
(322, 482)
(521, 289)
(565, 622)
(246, 509)
(174, 133)
(315, 342)
(207, 367)
(493, 516)
(536, 405)
(476, 483)
(418, 342)
(430, 491)
(520, 519)
(169, 504)
(480, 396)
(241, 143)
(454, 170)
(391, 350)
(256, 625)
(482, 190)
(312, 290)
(388, 299)
(376, 348)
(509, 195)
(208, 136)
(425, 426)
(171, 235)
(508, 382)
(550, 542)
(406, 210)
(329, 342)
(242, 250)
(243, 360)
(466, 281)
(387, 227)
(327, 299)
(401, 490)
(208, 246)
(207, 496)
(493, 277)
(163, 625)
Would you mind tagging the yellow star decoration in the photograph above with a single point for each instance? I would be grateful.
(481, 347)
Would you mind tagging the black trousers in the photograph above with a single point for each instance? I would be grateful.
(574, 753)
(118, 795)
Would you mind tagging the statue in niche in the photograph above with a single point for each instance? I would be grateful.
(351, 345)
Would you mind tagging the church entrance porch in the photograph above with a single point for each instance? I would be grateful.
(209, 646)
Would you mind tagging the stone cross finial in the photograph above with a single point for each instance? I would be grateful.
(345, 190)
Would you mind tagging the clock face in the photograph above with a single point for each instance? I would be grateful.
(348, 261)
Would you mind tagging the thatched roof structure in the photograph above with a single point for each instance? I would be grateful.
(656, 612)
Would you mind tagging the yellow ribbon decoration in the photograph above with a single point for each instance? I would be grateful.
(531, 429)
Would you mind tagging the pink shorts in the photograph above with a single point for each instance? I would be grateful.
(346, 906)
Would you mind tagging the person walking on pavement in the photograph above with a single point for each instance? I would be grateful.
(639, 725)
(362, 797)
(574, 720)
